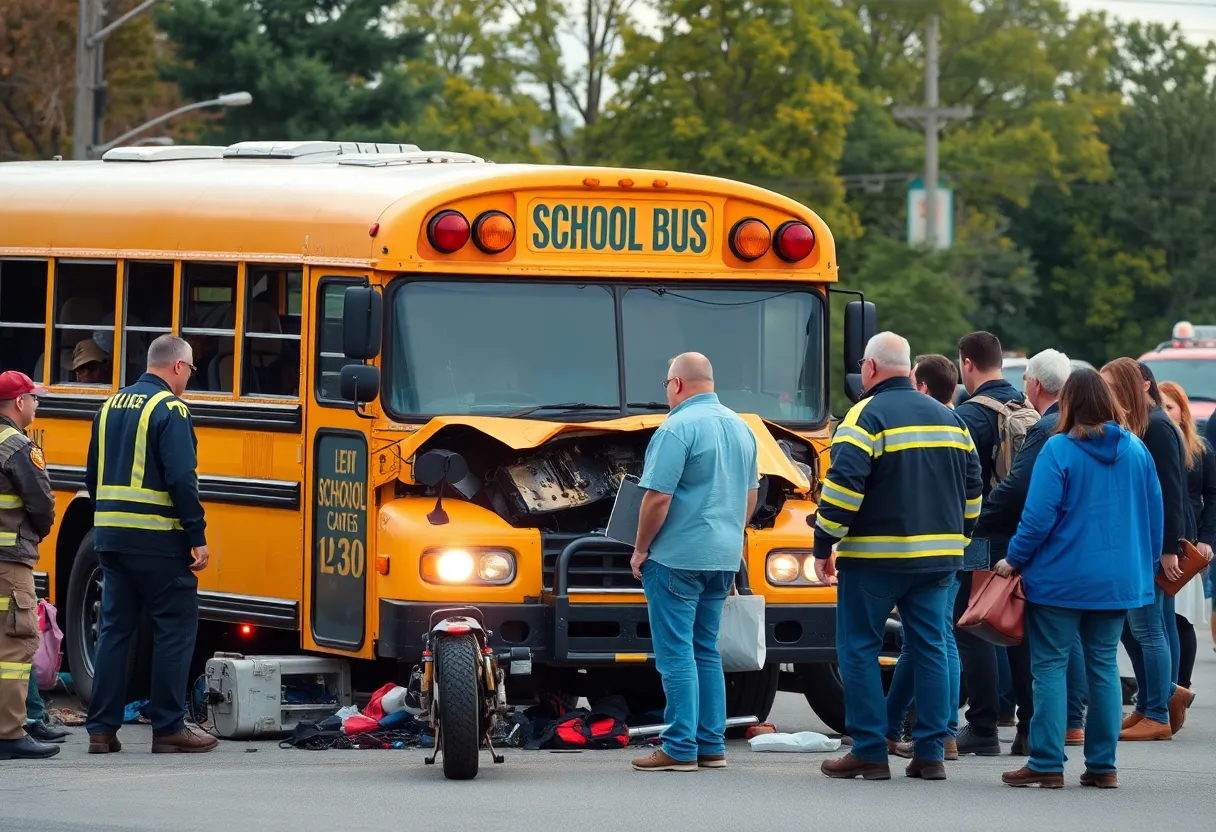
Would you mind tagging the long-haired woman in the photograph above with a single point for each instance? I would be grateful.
(1191, 608)
(1087, 546)
(1157, 699)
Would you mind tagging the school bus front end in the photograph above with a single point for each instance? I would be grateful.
(519, 331)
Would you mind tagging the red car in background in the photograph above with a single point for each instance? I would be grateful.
(1189, 360)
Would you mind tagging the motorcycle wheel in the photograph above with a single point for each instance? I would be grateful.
(459, 706)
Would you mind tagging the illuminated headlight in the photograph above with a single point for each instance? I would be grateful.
(792, 567)
(468, 566)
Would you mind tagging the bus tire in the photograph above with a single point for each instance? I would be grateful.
(83, 624)
(457, 679)
(752, 693)
(824, 692)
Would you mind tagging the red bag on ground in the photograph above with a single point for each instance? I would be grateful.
(997, 609)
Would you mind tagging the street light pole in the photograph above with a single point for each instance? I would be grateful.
(232, 99)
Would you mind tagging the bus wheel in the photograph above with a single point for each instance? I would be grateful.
(752, 694)
(83, 626)
(824, 691)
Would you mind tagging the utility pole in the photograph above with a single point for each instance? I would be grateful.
(934, 117)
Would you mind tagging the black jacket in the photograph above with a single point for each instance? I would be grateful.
(902, 492)
(145, 497)
(1164, 442)
(1201, 488)
(981, 423)
(1003, 507)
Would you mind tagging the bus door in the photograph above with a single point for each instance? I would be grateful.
(338, 589)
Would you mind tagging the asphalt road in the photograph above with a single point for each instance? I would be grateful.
(257, 786)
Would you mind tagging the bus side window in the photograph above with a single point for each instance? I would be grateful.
(208, 322)
(22, 316)
(148, 313)
(83, 342)
(330, 358)
(271, 353)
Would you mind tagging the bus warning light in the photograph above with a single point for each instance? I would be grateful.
(382, 564)
(247, 630)
(448, 231)
(493, 232)
(374, 230)
(750, 239)
(794, 241)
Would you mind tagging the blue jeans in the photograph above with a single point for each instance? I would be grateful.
(1052, 632)
(1078, 686)
(899, 694)
(863, 600)
(685, 609)
(1149, 651)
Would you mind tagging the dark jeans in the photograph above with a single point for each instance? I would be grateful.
(981, 672)
(1078, 686)
(1188, 648)
(167, 588)
(35, 708)
(863, 600)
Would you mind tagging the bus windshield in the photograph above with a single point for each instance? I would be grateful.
(1196, 376)
(496, 348)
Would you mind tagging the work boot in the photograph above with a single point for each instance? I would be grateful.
(26, 748)
(926, 770)
(1106, 780)
(186, 741)
(658, 760)
(1074, 736)
(104, 744)
(1147, 729)
(711, 761)
(848, 767)
(971, 743)
(45, 732)
(901, 749)
(1021, 745)
(1179, 702)
(951, 748)
(1024, 777)
(1131, 719)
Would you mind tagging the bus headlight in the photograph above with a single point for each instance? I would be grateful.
(468, 566)
(792, 567)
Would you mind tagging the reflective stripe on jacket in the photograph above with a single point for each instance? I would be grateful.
(903, 488)
(27, 504)
(142, 475)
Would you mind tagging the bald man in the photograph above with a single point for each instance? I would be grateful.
(700, 479)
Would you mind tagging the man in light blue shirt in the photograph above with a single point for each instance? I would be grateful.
(700, 479)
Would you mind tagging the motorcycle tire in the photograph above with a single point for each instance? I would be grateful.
(459, 706)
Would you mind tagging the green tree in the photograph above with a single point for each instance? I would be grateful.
(317, 69)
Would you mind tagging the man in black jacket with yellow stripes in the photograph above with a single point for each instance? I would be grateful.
(899, 502)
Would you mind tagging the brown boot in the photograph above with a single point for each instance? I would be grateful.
(1131, 719)
(1179, 702)
(186, 741)
(1107, 780)
(1147, 729)
(951, 749)
(926, 770)
(660, 761)
(902, 749)
(1074, 736)
(1024, 777)
(848, 767)
(104, 744)
(711, 761)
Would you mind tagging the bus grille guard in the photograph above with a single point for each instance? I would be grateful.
(591, 633)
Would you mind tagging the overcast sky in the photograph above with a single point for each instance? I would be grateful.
(1196, 17)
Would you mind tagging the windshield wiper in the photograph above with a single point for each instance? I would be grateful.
(648, 405)
(562, 406)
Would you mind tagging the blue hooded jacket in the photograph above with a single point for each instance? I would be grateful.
(1090, 534)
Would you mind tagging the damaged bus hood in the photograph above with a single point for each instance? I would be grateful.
(393, 458)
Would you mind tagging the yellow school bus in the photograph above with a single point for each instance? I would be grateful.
(353, 307)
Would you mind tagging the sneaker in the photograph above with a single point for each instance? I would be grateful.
(848, 767)
(969, 742)
(711, 761)
(926, 770)
(1179, 702)
(45, 732)
(1023, 777)
(1147, 729)
(26, 748)
(659, 761)
(1074, 736)
(186, 741)
(1106, 780)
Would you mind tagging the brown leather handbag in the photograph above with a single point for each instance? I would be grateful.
(997, 609)
(1191, 561)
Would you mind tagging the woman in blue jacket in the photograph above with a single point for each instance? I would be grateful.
(1087, 546)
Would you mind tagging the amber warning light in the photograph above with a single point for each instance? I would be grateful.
(492, 232)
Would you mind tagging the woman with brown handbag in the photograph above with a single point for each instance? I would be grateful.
(1087, 547)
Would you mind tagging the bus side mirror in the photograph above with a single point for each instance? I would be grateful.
(362, 318)
(860, 325)
(359, 383)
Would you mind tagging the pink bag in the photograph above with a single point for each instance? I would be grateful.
(49, 657)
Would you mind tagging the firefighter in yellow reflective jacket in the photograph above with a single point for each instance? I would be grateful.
(900, 499)
(150, 538)
(27, 512)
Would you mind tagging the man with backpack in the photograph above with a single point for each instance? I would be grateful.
(998, 419)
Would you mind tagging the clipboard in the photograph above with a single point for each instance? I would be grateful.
(623, 522)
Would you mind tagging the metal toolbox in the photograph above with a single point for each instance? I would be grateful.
(252, 697)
